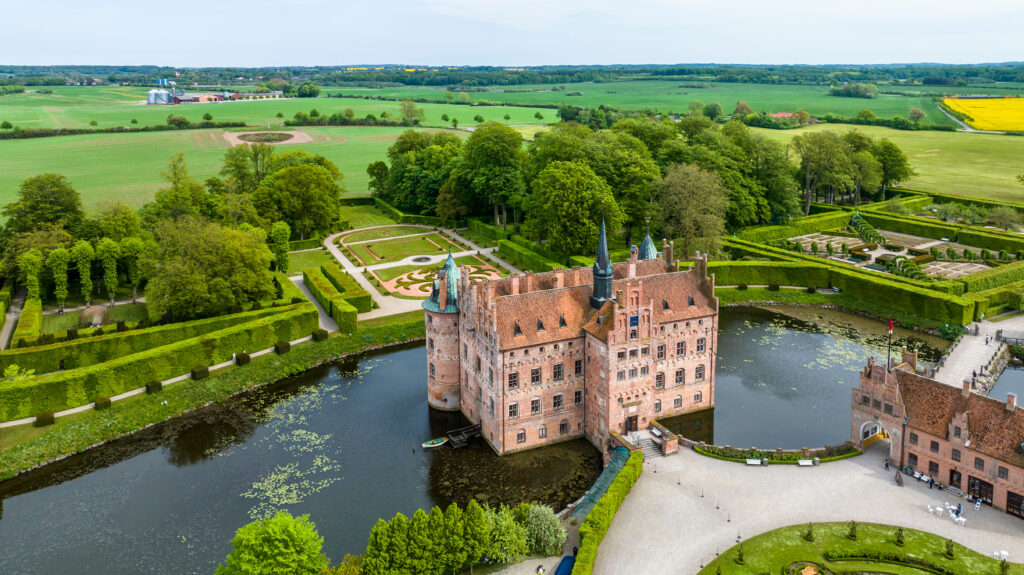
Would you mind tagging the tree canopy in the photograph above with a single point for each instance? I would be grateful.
(279, 544)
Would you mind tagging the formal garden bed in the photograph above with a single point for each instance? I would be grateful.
(382, 233)
(387, 251)
(416, 281)
(829, 548)
(780, 456)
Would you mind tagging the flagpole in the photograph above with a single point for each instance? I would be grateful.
(888, 356)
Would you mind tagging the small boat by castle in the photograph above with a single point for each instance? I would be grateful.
(435, 443)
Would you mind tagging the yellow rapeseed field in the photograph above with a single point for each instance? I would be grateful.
(1005, 114)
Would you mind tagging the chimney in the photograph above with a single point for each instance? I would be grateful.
(1011, 401)
(667, 249)
(967, 388)
(515, 285)
(442, 291)
(560, 278)
(631, 266)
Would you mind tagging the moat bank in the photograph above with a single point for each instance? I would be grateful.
(340, 442)
(784, 376)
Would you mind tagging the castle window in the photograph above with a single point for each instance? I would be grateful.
(557, 401)
(888, 408)
(535, 376)
(521, 436)
(556, 347)
(542, 349)
(865, 400)
(556, 372)
(632, 372)
(570, 344)
(632, 334)
(689, 301)
(465, 350)
(511, 354)
(561, 321)
(659, 381)
(643, 370)
(700, 345)
(577, 397)
(664, 305)
(979, 463)
(540, 325)
(490, 377)
(876, 404)
(912, 459)
(956, 431)
(698, 397)
(431, 370)
(430, 344)
(516, 330)
(657, 406)
(680, 348)
(660, 354)
(1004, 473)
(563, 427)
(620, 401)
(622, 354)
(513, 410)
(477, 363)
(645, 351)
(579, 367)
(913, 439)
(677, 402)
(933, 468)
(513, 381)
(956, 455)
(430, 319)
(934, 447)
(534, 406)
(492, 406)
(542, 432)
(632, 353)
(698, 373)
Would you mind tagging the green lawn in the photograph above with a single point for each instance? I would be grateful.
(978, 165)
(54, 323)
(394, 250)
(387, 274)
(365, 216)
(673, 96)
(298, 261)
(127, 166)
(772, 551)
(384, 233)
(76, 107)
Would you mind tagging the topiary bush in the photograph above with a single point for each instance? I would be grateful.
(320, 335)
(44, 418)
(154, 386)
(242, 358)
(741, 287)
(200, 372)
(282, 347)
(811, 289)
(122, 326)
(773, 287)
(101, 403)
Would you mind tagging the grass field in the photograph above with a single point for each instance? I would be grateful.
(977, 165)
(298, 261)
(991, 113)
(772, 551)
(365, 216)
(76, 107)
(394, 250)
(673, 96)
(127, 166)
(53, 323)
(367, 235)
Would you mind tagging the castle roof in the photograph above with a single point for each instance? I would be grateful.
(932, 406)
(647, 249)
(450, 275)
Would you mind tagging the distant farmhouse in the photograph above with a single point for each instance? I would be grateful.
(165, 97)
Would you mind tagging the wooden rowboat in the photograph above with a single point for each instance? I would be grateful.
(435, 443)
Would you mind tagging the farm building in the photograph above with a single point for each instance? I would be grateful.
(159, 96)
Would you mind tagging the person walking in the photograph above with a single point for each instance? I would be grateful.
(887, 464)
(959, 509)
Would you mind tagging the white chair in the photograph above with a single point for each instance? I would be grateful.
(977, 505)
(960, 521)
(930, 510)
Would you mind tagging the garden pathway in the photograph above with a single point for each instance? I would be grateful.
(686, 506)
(326, 321)
(11, 321)
(53, 311)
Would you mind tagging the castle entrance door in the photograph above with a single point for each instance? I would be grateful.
(955, 479)
(631, 424)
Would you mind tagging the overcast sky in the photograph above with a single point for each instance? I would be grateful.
(193, 33)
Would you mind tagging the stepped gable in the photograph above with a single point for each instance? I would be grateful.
(993, 429)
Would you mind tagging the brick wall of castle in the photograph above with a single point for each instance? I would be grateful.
(442, 332)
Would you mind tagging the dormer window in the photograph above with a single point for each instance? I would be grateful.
(540, 325)
(516, 330)
(664, 305)
(689, 301)
(561, 321)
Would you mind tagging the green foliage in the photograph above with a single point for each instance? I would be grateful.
(277, 545)
(44, 418)
(348, 287)
(278, 238)
(852, 533)
(344, 313)
(305, 196)
(65, 389)
(403, 218)
(524, 258)
(102, 403)
(809, 534)
(200, 372)
(108, 252)
(154, 386)
(30, 264)
(282, 347)
(545, 534)
(43, 199)
(595, 526)
(509, 540)
(487, 230)
(30, 324)
(83, 254)
(797, 227)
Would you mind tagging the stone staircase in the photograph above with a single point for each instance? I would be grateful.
(650, 448)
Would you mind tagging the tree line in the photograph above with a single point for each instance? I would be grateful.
(199, 248)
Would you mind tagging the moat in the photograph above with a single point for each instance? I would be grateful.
(342, 442)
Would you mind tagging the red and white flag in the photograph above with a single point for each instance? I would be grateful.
(890, 326)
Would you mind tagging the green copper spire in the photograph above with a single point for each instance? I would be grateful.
(602, 271)
(451, 276)
(647, 249)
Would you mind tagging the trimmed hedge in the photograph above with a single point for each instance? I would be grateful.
(768, 273)
(798, 227)
(348, 287)
(30, 324)
(404, 218)
(289, 291)
(940, 198)
(83, 352)
(993, 278)
(319, 334)
(581, 261)
(595, 526)
(200, 372)
(524, 258)
(154, 386)
(44, 418)
(333, 302)
(911, 225)
(299, 245)
(66, 389)
(7, 294)
(282, 347)
(242, 358)
(101, 403)
(487, 230)
(991, 239)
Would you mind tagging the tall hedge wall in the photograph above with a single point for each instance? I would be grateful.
(993, 277)
(65, 389)
(911, 225)
(487, 230)
(7, 293)
(404, 218)
(331, 300)
(30, 324)
(767, 273)
(288, 289)
(595, 526)
(348, 287)
(92, 350)
(524, 258)
(797, 227)
(949, 198)
(991, 240)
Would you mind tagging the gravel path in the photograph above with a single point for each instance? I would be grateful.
(297, 137)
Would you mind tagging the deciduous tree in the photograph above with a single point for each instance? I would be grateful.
(108, 252)
(492, 167)
(307, 197)
(280, 234)
(132, 250)
(692, 205)
(742, 109)
(895, 166)
(916, 115)
(44, 199)
(566, 206)
(867, 173)
(30, 264)
(117, 220)
(83, 254)
(280, 544)
(185, 196)
(57, 263)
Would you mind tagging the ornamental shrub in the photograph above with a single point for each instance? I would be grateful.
(121, 326)
(282, 347)
(242, 358)
(278, 544)
(319, 335)
(101, 403)
(773, 287)
(595, 526)
(741, 287)
(811, 289)
(44, 418)
(545, 534)
(200, 372)
(154, 386)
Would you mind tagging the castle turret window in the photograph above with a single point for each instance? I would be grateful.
(698, 373)
(490, 376)
(535, 376)
(430, 344)
(556, 372)
(492, 406)
(513, 381)
(700, 345)
(431, 370)
(513, 410)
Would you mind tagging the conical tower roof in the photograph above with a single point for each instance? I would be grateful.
(451, 276)
(647, 249)
(602, 271)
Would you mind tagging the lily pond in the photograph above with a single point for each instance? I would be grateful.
(342, 443)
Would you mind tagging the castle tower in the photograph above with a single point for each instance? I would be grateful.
(647, 249)
(442, 330)
(603, 274)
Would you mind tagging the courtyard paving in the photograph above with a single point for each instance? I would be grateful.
(686, 506)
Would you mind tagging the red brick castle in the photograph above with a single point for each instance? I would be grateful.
(540, 358)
